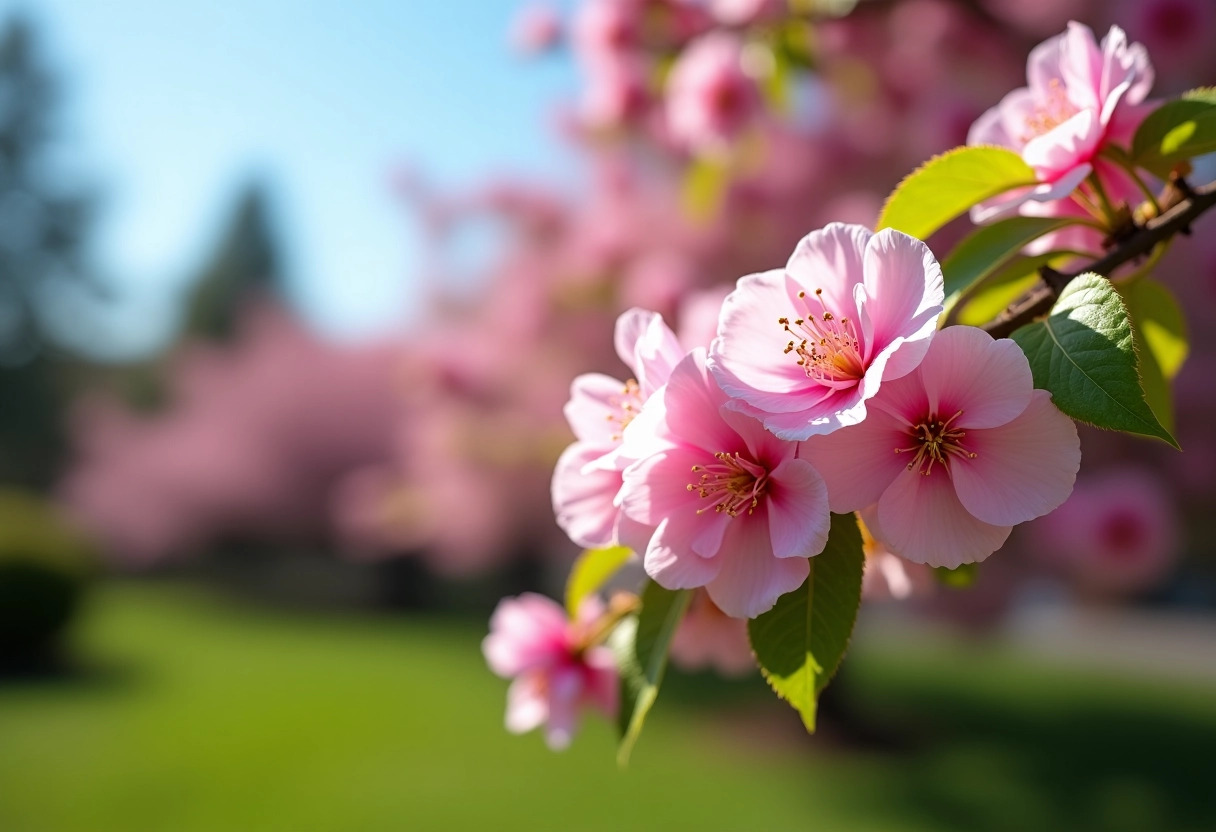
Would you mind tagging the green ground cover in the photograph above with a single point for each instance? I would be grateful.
(193, 712)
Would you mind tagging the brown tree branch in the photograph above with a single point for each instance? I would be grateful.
(1180, 206)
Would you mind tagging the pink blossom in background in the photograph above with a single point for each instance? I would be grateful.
(1080, 97)
(255, 437)
(954, 454)
(745, 12)
(617, 94)
(708, 638)
(588, 474)
(1178, 33)
(732, 509)
(710, 99)
(557, 671)
(804, 348)
(1117, 534)
(537, 28)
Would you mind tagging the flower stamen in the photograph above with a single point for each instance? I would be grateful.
(936, 441)
(627, 405)
(731, 484)
(829, 349)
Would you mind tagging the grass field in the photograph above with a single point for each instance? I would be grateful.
(196, 713)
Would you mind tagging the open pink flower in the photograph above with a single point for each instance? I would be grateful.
(1080, 95)
(733, 510)
(710, 100)
(804, 348)
(588, 474)
(556, 669)
(1116, 535)
(955, 454)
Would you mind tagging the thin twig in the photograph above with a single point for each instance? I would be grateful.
(1181, 205)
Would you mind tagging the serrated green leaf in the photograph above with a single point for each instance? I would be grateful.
(799, 642)
(1177, 130)
(641, 643)
(950, 184)
(1084, 354)
(989, 247)
(592, 569)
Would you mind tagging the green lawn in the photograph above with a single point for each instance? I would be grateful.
(197, 713)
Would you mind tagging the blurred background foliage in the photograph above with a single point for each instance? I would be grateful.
(245, 570)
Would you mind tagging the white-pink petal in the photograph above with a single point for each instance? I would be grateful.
(751, 579)
(797, 504)
(1022, 470)
(922, 520)
(967, 370)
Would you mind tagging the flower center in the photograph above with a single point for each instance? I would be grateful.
(627, 405)
(828, 348)
(731, 484)
(935, 441)
(1052, 111)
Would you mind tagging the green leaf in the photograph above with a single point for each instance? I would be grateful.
(1084, 354)
(1155, 310)
(1161, 341)
(592, 569)
(961, 577)
(705, 184)
(799, 642)
(947, 185)
(641, 643)
(989, 247)
(1175, 131)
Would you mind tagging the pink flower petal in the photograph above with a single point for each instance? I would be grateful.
(1022, 470)
(831, 259)
(922, 520)
(692, 400)
(750, 579)
(904, 284)
(656, 487)
(858, 463)
(798, 516)
(988, 380)
(525, 634)
(583, 498)
(527, 703)
(672, 563)
(747, 358)
(594, 409)
(648, 347)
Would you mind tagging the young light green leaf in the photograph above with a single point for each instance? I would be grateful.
(1084, 354)
(1177, 130)
(799, 642)
(989, 247)
(1161, 342)
(987, 298)
(1155, 311)
(592, 569)
(641, 643)
(947, 185)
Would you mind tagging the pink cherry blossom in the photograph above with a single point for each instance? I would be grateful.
(710, 100)
(1080, 96)
(557, 666)
(732, 509)
(804, 348)
(588, 474)
(708, 638)
(954, 454)
(1117, 534)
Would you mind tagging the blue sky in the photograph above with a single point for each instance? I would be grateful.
(171, 106)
